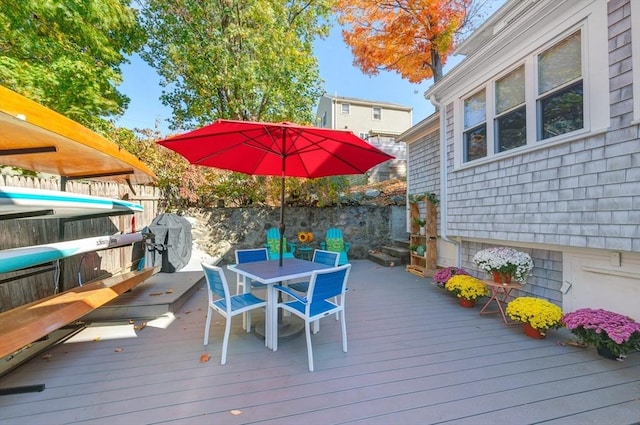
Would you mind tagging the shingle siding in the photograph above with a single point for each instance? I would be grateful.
(424, 163)
(580, 195)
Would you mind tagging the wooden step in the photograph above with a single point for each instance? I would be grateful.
(158, 295)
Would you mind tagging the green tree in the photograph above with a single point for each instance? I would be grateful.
(66, 54)
(246, 60)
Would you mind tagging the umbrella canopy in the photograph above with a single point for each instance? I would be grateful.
(276, 149)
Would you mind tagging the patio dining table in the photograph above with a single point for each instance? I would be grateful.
(271, 274)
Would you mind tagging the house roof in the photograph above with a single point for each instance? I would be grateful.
(490, 45)
(365, 102)
(426, 125)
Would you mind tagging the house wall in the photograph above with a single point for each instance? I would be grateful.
(394, 120)
(423, 176)
(380, 133)
(562, 201)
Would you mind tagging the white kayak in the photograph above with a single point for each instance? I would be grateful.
(17, 202)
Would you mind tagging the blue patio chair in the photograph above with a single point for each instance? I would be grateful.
(319, 256)
(336, 243)
(273, 245)
(225, 304)
(250, 255)
(323, 286)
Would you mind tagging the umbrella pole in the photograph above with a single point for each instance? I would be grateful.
(282, 226)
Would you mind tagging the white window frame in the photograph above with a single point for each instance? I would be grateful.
(594, 40)
(635, 41)
(373, 113)
(345, 107)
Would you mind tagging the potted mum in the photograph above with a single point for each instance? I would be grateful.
(504, 263)
(467, 289)
(443, 275)
(614, 335)
(536, 314)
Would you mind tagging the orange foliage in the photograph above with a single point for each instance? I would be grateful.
(411, 37)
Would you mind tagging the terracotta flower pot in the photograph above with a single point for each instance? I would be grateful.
(532, 332)
(501, 278)
(467, 303)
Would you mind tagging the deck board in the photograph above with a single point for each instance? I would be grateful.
(422, 359)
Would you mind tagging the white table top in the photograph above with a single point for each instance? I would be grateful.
(270, 272)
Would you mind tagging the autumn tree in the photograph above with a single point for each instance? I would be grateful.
(67, 54)
(410, 37)
(246, 60)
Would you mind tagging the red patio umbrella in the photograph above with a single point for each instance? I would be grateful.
(277, 149)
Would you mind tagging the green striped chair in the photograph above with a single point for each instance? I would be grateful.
(335, 242)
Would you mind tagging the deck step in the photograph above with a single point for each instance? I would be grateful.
(399, 252)
(384, 259)
(160, 294)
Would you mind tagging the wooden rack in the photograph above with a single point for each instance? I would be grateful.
(423, 265)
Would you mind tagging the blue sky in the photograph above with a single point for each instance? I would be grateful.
(142, 84)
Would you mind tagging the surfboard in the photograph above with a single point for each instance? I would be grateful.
(20, 202)
(39, 139)
(20, 258)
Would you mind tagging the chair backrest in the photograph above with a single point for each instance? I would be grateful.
(251, 255)
(327, 283)
(329, 258)
(216, 282)
(334, 240)
(273, 240)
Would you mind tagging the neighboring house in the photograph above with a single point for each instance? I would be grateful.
(377, 122)
(536, 146)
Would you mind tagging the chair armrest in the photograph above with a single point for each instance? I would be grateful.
(291, 293)
(347, 246)
(292, 247)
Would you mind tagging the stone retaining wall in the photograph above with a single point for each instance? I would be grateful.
(219, 231)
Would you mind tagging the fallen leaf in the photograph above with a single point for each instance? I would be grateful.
(236, 412)
(96, 338)
(169, 291)
(204, 358)
(141, 326)
(187, 312)
(153, 294)
(118, 349)
(46, 356)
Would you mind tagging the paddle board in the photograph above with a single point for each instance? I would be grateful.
(20, 258)
(58, 204)
(39, 139)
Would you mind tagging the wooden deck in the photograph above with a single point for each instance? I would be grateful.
(415, 357)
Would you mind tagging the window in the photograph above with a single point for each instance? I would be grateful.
(345, 108)
(544, 90)
(560, 104)
(475, 125)
(377, 114)
(511, 115)
(324, 119)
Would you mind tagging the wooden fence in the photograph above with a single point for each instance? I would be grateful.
(27, 285)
